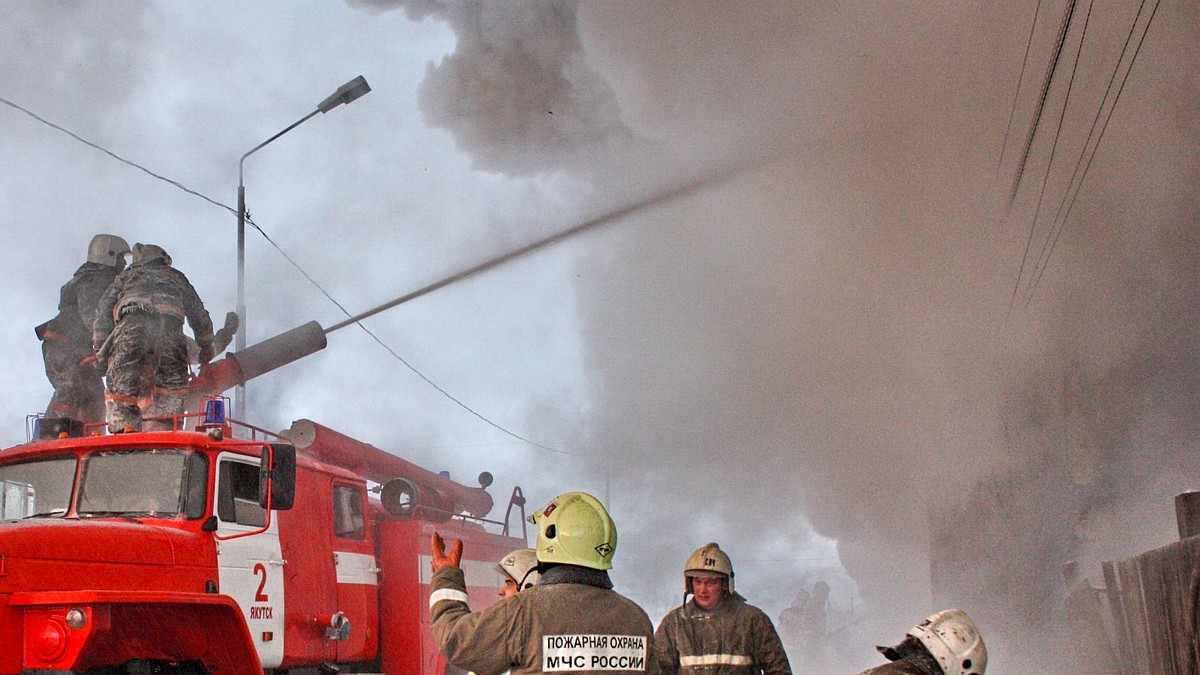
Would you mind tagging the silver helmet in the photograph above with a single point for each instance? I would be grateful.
(143, 253)
(108, 249)
(520, 566)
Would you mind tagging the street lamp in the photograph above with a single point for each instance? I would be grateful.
(346, 93)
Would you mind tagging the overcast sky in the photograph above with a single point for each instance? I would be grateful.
(802, 360)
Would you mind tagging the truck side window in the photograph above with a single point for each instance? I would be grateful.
(237, 497)
(41, 488)
(348, 512)
(195, 496)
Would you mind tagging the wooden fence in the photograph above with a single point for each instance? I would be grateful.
(1144, 620)
(1154, 613)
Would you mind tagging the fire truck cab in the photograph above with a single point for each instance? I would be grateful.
(195, 552)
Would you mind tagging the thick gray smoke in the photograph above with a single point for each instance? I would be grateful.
(826, 339)
(516, 91)
(809, 362)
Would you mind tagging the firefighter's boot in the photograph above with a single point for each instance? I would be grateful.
(122, 415)
(164, 410)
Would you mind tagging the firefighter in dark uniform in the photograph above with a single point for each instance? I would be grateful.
(67, 338)
(571, 621)
(716, 632)
(139, 334)
(947, 643)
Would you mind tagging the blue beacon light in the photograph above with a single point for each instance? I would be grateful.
(214, 411)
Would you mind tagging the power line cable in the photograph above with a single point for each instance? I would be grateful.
(287, 257)
(1125, 78)
(1053, 67)
(401, 359)
(1100, 110)
(1012, 113)
(1054, 146)
(135, 165)
(1061, 216)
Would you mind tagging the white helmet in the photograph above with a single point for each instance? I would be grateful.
(521, 566)
(952, 638)
(107, 249)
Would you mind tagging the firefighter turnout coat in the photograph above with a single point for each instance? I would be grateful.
(67, 345)
(734, 638)
(139, 332)
(572, 621)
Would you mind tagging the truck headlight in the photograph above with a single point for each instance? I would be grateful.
(76, 618)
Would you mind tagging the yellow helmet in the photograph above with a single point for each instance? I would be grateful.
(708, 561)
(575, 529)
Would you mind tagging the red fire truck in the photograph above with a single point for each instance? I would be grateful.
(217, 547)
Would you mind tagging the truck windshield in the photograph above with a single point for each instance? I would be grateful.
(40, 488)
(136, 482)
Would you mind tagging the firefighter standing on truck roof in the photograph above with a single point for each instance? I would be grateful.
(139, 334)
(67, 338)
(947, 643)
(716, 632)
(571, 621)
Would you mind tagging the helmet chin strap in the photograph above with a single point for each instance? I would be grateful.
(531, 570)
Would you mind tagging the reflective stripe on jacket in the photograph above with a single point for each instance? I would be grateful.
(733, 639)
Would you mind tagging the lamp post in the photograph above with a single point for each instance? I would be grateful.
(346, 93)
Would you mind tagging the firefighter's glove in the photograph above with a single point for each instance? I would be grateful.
(101, 344)
(99, 360)
(223, 337)
(207, 352)
(441, 558)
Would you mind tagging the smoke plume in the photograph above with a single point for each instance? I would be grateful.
(826, 341)
(831, 361)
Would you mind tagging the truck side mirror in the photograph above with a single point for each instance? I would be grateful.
(277, 473)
